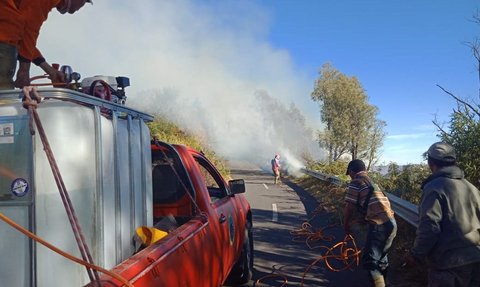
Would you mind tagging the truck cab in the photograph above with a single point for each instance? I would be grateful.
(207, 219)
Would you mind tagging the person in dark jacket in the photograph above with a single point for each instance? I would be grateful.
(448, 236)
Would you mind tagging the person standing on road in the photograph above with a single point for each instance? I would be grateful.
(276, 168)
(366, 197)
(448, 236)
(20, 23)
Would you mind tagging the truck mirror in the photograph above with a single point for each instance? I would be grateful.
(237, 186)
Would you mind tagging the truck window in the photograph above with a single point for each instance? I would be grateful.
(172, 191)
(216, 188)
(166, 184)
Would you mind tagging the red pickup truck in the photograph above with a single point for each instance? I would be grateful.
(209, 223)
(111, 180)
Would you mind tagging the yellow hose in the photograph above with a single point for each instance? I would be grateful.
(63, 253)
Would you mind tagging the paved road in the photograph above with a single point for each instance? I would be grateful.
(277, 210)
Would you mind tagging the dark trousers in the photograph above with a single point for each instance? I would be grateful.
(462, 276)
(8, 64)
(378, 243)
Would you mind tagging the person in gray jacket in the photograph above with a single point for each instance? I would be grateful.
(448, 235)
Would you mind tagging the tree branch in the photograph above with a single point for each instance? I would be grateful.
(460, 100)
(440, 128)
(476, 17)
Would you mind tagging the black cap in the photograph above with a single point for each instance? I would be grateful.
(442, 151)
(355, 166)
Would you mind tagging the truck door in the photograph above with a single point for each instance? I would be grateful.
(224, 208)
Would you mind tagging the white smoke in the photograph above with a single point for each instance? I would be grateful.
(204, 64)
(292, 164)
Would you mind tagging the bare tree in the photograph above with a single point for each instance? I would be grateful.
(463, 130)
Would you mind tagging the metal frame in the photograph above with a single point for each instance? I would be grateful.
(117, 115)
(74, 96)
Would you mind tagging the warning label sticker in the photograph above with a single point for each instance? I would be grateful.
(6, 133)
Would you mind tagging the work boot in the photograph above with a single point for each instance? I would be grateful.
(378, 281)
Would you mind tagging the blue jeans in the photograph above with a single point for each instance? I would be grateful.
(378, 243)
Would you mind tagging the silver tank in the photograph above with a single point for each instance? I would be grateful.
(103, 152)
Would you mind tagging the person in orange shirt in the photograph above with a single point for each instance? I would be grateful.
(20, 23)
(11, 27)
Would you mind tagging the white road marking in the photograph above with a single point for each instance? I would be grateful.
(274, 212)
(266, 187)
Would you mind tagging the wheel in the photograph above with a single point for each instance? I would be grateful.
(242, 271)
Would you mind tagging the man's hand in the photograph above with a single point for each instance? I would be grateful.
(410, 260)
(56, 76)
(347, 216)
(23, 75)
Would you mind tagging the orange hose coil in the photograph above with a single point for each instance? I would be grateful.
(283, 277)
(348, 255)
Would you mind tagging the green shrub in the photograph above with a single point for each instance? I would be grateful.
(410, 180)
(336, 168)
(404, 183)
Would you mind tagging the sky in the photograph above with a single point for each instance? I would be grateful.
(205, 63)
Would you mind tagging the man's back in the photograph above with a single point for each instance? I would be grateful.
(11, 23)
(450, 211)
(378, 209)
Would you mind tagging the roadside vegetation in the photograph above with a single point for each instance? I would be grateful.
(164, 130)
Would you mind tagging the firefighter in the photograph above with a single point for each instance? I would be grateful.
(276, 168)
(20, 23)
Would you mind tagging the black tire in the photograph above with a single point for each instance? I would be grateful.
(242, 271)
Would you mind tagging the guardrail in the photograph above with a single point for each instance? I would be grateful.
(406, 210)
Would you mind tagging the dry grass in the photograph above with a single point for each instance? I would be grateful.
(331, 199)
(167, 131)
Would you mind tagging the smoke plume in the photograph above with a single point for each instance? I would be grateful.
(207, 66)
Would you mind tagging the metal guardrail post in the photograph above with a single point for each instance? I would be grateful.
(406, 210)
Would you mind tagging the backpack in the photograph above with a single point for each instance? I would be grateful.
(363, 208)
